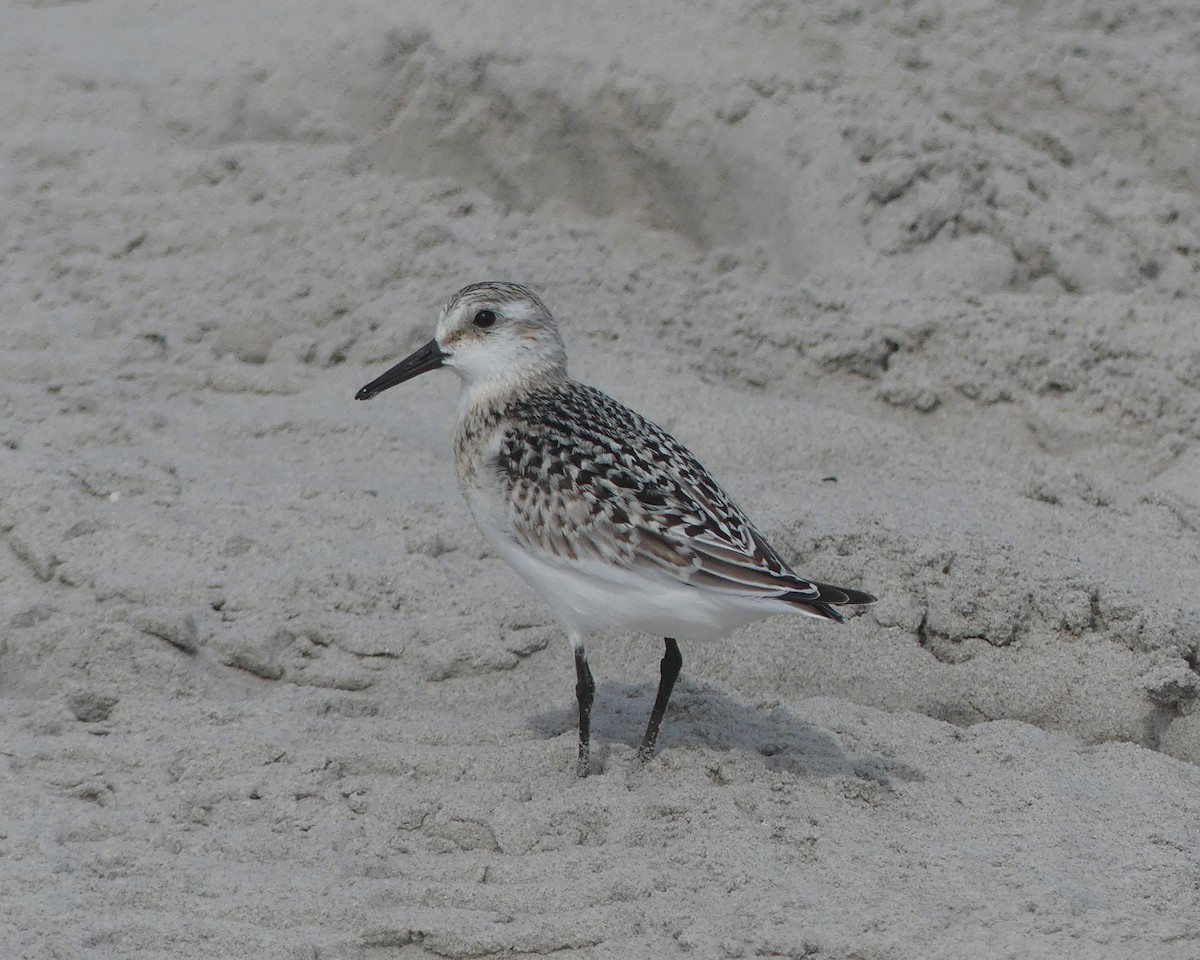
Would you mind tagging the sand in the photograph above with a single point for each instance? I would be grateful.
(919, 285)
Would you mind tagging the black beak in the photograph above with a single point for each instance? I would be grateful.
(429, 357)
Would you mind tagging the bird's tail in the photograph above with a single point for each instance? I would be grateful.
(827, 601)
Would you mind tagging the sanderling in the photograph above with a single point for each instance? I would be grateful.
(611, 519)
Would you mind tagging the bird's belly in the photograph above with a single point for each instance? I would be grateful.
(593, 597)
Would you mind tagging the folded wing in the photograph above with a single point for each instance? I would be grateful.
(580, 496)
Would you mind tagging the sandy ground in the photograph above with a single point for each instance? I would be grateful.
(918, 282)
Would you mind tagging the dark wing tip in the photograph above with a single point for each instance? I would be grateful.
(826, 610)
(828, 599)
(839, 596)
(853, 597)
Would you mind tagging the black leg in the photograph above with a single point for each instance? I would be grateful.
(585, 691)
(669, 668)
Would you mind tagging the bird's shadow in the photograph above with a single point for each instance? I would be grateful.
(702, 716)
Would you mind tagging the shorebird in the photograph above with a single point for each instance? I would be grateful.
(608, 517)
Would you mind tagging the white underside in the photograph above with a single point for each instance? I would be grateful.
(595, 597)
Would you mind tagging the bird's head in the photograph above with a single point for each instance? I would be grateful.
(494, 335)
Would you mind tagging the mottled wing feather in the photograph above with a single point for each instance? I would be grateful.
(581, 487)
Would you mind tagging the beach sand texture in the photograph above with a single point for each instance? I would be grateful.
(918, 283)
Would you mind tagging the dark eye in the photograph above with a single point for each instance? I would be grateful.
(484, 319)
